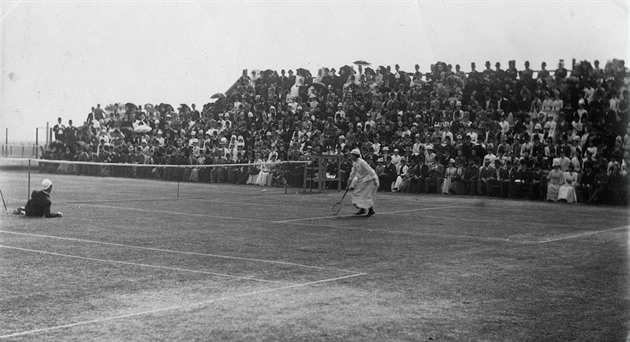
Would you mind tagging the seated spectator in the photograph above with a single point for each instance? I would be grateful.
(487, 177)
(567, 192)
(402, 180)
(555, 181)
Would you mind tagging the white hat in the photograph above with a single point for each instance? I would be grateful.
(356, 152)
(46, 183)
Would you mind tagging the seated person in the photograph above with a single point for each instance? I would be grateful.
(39, 204)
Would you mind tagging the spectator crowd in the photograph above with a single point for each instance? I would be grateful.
(541, 135)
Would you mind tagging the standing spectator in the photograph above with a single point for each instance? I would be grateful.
(59, 130)
(99, 114)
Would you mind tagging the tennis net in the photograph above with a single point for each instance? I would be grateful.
(82, 182)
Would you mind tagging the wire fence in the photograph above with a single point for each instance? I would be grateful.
(27, 150)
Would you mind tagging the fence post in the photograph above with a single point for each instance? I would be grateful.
(36, 142)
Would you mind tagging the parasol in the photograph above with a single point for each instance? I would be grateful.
(303, 72)
(218, 96)
(142, 129)
(346, 70)
(361, 62)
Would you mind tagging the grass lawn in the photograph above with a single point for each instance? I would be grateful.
(131, 261)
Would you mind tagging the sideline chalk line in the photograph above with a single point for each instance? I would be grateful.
(179, 252)
(179, 307)
(583, 234)
(144, 265)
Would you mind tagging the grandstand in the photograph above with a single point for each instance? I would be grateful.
(445, 123)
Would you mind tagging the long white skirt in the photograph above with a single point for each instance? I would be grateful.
(446, 185)
(567, 192)
(363, 194)
(264, 178)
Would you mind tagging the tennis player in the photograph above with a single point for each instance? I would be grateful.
(364, 182)
(39, 204)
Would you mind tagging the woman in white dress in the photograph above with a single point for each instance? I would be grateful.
(451, 171)
(402, 174)
(566, 193)
(364, 182)
(264, 176)
(555, 181)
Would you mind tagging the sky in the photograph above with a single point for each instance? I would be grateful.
(60, 58)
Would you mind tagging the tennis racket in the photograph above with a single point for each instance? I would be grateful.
(337, 206)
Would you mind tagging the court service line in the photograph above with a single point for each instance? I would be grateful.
(379, 213)
(180, 307)
(584, 234)
(179, 252)
(143, 265)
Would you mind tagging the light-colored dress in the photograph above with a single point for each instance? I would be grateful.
(451, 172)
(556, 179)
(567, 190)
(401, 176)
(365, 183)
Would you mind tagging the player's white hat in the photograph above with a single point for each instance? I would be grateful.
(46, 183)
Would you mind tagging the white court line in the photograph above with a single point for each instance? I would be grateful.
(252, 204)
(179, 252)
(378, 213)
(584, 234)
(498, 221)
(402, 232)
(143, 265)
(179, 307)
(179, 213)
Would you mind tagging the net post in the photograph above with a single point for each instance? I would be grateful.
(178, 176)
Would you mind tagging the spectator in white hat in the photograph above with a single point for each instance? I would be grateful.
(364, 182)
(39, 204)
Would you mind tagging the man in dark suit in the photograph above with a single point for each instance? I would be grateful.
(388, 176)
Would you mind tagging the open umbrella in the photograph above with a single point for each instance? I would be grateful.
(130, 107)
(218, 96)
(303, 72)
(361, 62)
(346, 70)
(142, 129)
(164, 108)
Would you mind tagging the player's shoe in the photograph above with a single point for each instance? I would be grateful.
(371, 212)
(360, 212)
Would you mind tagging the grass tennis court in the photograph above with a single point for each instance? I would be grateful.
(130, 261)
